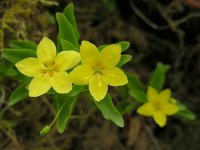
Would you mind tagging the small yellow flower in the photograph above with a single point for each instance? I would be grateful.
(48, 69)
(159, 105)
(98, 69)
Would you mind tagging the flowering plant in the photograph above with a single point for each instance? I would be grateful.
(67, 69)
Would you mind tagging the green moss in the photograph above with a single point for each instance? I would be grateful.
(16, 18)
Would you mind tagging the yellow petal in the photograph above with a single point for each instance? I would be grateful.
(170, 109)
(114, 77)
(160, 118)
(89, 53)
(38, 86)
(152, 94)
(46, 51)
(165, 95)
(60, 82)
(81, 74)
(30, 67)
(66, 60)
(147, 109)
(97, 87)
(110, 56)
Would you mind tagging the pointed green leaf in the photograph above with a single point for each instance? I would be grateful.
(59, 45)
(11, 72)
(69, 14)
(66, 30)
(15, 55)
(185, 112)
(3, 68)
(20, 44)
(157, 78)
(134, 83)
(67, 45)
(125, 107)
(18, 95)
(109, 111)
(77, 89)
(140, 96)
(124, 59)
(65, 107)
(124, 45)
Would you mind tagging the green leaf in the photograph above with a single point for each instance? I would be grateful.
(18, 95)
(69, 14)
(20, 44)
(59, 45)
(67, 45)
(125, 107)
(11, 72)
(65, 106)
(66, 30)
(3, 68)
(22, 78)
(77, 89)
(123, 92)
(109, 111)
(15, 55)
(140, 96)
(7, 69)
(157, 78)
(124, 59)
(185, 112)
(124, 45)
(134, 83)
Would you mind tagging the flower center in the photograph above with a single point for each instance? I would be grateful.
(158, 105)
(49, 71)
(98, 69)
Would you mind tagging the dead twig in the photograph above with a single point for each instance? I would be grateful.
(140, 14)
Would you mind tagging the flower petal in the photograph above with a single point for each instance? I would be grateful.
(30, 67)
(97, 87)
(89, 53)
(81, 74)
(114, 77)
(165, 95)
(46, 51)
(147, 109)
(160, 118)
(152, 94)
(38, 86)
(110, 56)
(170, 109)
(60, 82)
(66, 60)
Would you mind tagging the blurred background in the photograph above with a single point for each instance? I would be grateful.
(166, 31)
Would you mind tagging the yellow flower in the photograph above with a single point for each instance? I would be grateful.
(98, 69)
(48, 69)
(159, 105)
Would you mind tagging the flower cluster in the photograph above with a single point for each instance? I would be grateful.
(159, 105)
(97, 69)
